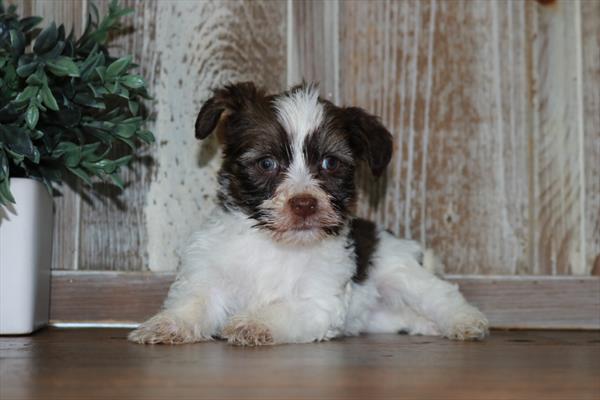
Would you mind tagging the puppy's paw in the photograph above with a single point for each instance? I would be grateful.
(162, 328)
(469, 324)
(243, 332)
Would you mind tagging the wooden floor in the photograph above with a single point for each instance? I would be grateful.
(100, 363)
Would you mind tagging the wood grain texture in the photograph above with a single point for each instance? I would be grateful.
(557, 138)
(590, 36)
(447, 78)
(72, 13)
(491, 114)
(313, 45)
(201, 45)
(508, 302)
(101, 364)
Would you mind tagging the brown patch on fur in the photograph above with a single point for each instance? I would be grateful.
(363, 233)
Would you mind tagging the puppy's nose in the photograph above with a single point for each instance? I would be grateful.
(303, 205)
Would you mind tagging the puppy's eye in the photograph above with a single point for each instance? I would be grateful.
(268, 164)
(330, 164)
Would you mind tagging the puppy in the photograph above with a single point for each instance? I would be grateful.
(282, 259)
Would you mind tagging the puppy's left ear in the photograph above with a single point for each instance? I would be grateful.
(225, 101)
(369, 139)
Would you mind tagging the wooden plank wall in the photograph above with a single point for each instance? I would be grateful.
(494, 107)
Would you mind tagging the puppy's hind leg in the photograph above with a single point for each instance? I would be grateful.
(400, 279)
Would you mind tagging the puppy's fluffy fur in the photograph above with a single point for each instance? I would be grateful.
(282, 259)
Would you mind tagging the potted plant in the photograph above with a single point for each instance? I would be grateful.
(65, 103)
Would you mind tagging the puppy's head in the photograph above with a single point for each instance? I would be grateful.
(290, 158)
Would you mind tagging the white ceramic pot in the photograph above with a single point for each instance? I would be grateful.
(25, 258)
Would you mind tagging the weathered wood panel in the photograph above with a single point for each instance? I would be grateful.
(313, 45)
(590, 36)
(557, 202)
(508, 302)
(491, 113)
(447, 78)
(72, 13)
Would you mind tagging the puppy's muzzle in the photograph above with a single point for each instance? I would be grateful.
(303, 205)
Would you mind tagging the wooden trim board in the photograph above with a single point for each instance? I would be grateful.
(522, 302)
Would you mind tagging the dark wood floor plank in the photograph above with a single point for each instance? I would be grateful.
(101, 364)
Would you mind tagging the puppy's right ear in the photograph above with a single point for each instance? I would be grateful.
(224, 102)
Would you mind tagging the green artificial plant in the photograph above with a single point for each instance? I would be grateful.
(65, 102)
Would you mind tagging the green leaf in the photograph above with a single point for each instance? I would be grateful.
(17, 41)
(37, 79)
(28, 23)
(26, 69)
(81, 174)
(146, 136)
(48, 99)
(116, 180)
(120, 162)
(126, 130)
(63, 66)
(28, 93)
(46, 39)
(127, 141)
(118, 67)
(55, 52)
(36, 134)
(85, 99)
(133, 81)
(72, 157)
(62, 148)
(16, 157)
(5, 195)
(70, 152)
(101, 72)
(88, 66)
(4, 172)
(17, 142)
(32, 115)
(134, 107)
(89, 149)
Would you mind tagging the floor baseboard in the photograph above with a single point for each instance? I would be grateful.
(510, 302)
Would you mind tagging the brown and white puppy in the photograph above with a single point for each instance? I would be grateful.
(282, 259)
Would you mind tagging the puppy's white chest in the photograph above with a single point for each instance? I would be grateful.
(267, 270)
(251, 269)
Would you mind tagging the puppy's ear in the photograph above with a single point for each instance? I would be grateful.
(224, 102)
(369, 139)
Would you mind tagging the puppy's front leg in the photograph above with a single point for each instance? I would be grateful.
(190, 314)
(299, 321)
